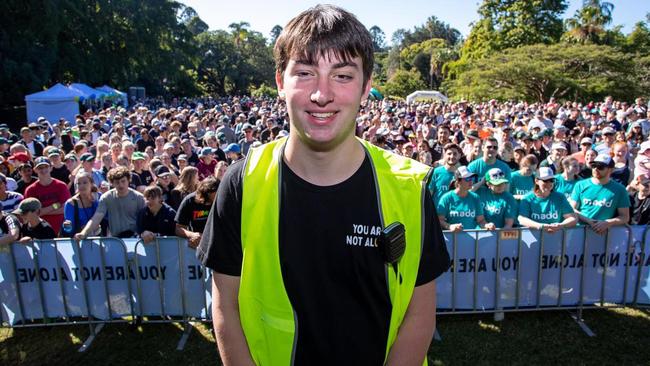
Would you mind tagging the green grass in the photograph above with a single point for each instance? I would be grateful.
(534, 338)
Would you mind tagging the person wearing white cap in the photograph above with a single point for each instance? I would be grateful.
(460, 209)
(609, 137)
(585, 145)
(544, 208)
(642, 160)
(558, 151)
(599, 201)
(640, 201)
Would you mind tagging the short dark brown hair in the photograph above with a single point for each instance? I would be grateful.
(152, 192)
(205, 187)
(118, 173)
(322, 29)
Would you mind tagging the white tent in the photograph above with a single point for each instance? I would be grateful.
(426, 95)
(56, 102)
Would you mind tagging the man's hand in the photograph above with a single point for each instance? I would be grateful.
(147, 236)
(194, 240)
(551, 228)
(79, 236)
(25, 239)
(490, 226)
(600, 226)
(456, 228)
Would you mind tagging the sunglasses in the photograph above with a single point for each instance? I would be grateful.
(551, 181)
(599, 166)
(469, 179)
(491, 147)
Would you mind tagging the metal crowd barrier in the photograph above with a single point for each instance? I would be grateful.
(177, 310)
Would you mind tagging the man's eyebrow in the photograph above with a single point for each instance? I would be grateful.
(335, 66)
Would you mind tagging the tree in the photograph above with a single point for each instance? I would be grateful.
(588, 23)
(275, 33)
(398, 37)
(378, 38)
(432, 28)
(538, 72)
(638, 41)
(403, 83)
(239, 32)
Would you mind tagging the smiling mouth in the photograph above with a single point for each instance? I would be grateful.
(321, 115)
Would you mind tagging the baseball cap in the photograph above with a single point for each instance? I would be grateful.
(162, 171)
(54, 152)
(545, 173)
(70, 156)
(138, 156)
(168, 145)
(644, 147)
(30, 204)
(495, 176)
(603, 160)
(21, 156)
(41, 161)
(462, 172)
(608, 130)
(87, 157)
(181, 157)
(233, 148)
(247, 126)
(472, 134)
(206, 151)
(586, 140)
(558, 146)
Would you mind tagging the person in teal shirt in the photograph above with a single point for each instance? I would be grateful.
(544, 208)
(460, 209)
(444, 174)
(499, 207)
(488, 161)
(565, 181)
(599, 201)
(522, 181)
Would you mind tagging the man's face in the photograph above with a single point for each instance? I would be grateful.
(323, 99)
(600, 171)
(121, 185)
(643, 185)
(43, 171)
(443, 135)
(573, 168)
(153, 202)
(557, 154)
(609, 138)
(451, 156)
(490, 150)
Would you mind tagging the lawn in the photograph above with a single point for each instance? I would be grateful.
(534, 338)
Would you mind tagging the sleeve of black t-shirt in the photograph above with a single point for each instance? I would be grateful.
(184, 213)
(220, 247)
(434, 260)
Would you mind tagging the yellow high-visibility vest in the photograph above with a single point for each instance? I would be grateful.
(268, 320)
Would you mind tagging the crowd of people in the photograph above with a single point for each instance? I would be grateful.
(154, 169)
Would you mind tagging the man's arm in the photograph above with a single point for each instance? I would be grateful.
(14, 232)
(415, 333)
(91, 226)
(229, 334)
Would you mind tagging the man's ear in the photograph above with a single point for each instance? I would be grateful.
(280, 83)
(366, 90)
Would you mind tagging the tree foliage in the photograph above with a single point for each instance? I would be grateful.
(538, 72)
(378, 38)
(403, 83)
(589, 22)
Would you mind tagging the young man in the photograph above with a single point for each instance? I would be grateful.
(207, 163)
(51, 193)
(444, 174)
(193, 211)
(599, 201)
(489, 160)
(33, 227)
(122, 205)
(337, 300)
(156, 218)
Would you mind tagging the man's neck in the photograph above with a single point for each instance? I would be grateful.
(33, 223)
(155, 210)
(45, 181)
(324, 168)
(600, 181)
(450, 168)
(489, 161)
(122, 194)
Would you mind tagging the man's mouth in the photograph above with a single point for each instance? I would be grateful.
(321, 115)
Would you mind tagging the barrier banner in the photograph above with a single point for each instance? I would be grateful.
(584, 270)
(113, 278)
(49, 279)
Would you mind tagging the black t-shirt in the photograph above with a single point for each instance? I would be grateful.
(145, 177)
(333, 273)
(639, 210)
(192, 214)
(41, 231)
(62, 173)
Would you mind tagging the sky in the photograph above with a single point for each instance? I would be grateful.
(262, 15)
